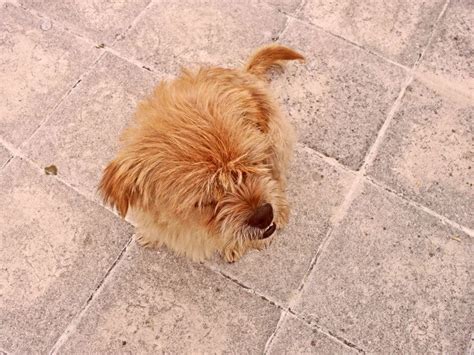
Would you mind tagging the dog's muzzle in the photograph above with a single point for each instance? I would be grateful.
(262, 219)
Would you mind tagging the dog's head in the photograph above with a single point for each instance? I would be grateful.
(212, 170)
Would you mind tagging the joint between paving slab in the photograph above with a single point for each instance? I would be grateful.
(75, 321)
(244, 286)
(419, 206)
(61, 100)
(134, 22)
(352, 43)
(326, 332)
(269, 342)
(432, 34)
(330, 334)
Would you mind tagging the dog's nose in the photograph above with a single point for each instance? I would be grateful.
(262, 217)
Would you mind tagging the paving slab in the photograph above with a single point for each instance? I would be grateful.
(5, 155)
(101, 21)
(55, 247)
(428, 154)
(393, 279)
(82, 135)
(315, 190)
(296, 337)
(340, 98)
(156, 302)
(219, 32)
(38, 65)
(451, 50)
(398, 29)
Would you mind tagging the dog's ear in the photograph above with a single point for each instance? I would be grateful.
(118, 186)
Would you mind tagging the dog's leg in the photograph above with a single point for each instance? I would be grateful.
(234, 251)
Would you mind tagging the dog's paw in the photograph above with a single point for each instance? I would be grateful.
(231, 255)
(145, 242)
(261, 244)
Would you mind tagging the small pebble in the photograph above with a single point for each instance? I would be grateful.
(46, 24)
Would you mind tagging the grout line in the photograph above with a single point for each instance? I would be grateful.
(352, 43)
(326, 332)
(61, 100)
(134, 22)
(243, 285)
(432, 35)
(419, 206)
(75, 322)
(136, 62)
(269, 342)
(284, 310)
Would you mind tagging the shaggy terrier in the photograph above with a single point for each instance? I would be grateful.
(203, 166)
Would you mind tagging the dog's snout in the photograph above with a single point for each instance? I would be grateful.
(262, 217)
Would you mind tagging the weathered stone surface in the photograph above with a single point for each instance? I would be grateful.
(452, 48)
(397, 29)
(219, 32)
(393, 280)
(296, 337)
(37, 67)
(340, 98)
(428, 151)
(101, 21)
(55, 247)
(83, 134)
(155, 302)
(315, 191)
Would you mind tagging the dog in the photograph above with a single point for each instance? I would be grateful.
(202, 168)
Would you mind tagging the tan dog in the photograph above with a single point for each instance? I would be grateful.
(203, 166)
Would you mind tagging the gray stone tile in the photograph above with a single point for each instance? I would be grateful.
(393, 279)
(5, 155)
(101, 21)
(154, 302)
(340, 98)
(82, 135)
(452, 48)
(37, 67)
(54, 249)
(220, 32)
(296, 337)
(428, 151)
(397, 29)
(315, 191)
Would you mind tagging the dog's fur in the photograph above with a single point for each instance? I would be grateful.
(204, 152)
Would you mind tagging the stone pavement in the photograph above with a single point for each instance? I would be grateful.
(378, 256)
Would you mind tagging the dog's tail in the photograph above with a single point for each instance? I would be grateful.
(270, 57)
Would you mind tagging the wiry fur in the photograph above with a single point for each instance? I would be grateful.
(203, 152)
